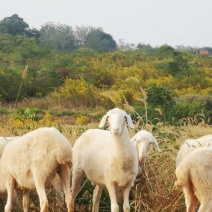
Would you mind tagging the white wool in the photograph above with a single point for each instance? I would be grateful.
(192, 144)
(194, 175)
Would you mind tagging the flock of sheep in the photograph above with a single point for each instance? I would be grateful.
(108, 158)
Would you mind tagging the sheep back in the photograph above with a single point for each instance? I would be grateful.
(192, 144)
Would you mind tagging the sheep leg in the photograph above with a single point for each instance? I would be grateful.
(65, 175)
(77, 177)
(113, 199)
(57, 185)
(205, 207)
(40, 187)
(25, 201)
(10, 185)
(126, 192)
(190, 199)
(96, 198)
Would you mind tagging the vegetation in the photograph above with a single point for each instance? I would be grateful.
(68, 77)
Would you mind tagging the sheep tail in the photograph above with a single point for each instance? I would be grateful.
(177, 185)
(66, 161)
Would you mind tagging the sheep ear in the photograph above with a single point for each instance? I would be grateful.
(102, 123)
(156, 143)
(129, 122)
(133, 139)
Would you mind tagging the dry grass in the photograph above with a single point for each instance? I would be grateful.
(153, 190)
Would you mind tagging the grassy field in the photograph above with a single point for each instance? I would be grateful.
(153, 190)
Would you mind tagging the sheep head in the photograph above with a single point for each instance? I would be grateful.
(143, 141)
(117, 120)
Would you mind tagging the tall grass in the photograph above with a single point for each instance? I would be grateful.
(22, 80)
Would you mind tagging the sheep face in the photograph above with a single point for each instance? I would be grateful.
(143, 146)
(143, 141)
(117, 120)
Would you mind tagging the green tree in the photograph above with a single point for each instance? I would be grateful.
(165, 51)
(13, 25)
(32, 33)
(145, 47)
(178, 66)
(161, 100)
(9, 85)
(160, 97)
(47, 81)
(100, 41)
(58, 37)
(20, 48)
(81, 33)
(6, 43)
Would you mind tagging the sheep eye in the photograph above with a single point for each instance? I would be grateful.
(125, 119)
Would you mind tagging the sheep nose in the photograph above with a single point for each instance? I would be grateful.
(142, 159)
(115, 130)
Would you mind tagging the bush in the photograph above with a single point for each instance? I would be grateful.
(78, 92)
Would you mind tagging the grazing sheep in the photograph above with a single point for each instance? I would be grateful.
(32, 161)
(107, 158)
(192, 144)
(143, 141)
(194, 175)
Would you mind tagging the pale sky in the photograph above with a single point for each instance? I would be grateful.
(154, 22)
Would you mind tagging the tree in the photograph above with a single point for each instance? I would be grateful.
(145, 47)
(100, 41)
(81, 33)
(160, 97)
(13, 25)
(58, 37)
(165, 51)
(179, 66)
(9, 85)
(6, 43)
(32, 33)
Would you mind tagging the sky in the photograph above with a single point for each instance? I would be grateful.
(154, 22)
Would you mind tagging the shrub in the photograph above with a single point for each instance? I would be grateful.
(78, 91)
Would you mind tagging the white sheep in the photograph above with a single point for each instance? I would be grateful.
(55, 181)
(107, 158)
(192, 144)
(143, 141)
(32, 161)
(194, 175)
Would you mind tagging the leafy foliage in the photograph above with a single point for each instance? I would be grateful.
(160, 97)
(78, 92)
(101, 41)
(13, 25)
(57, 37)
